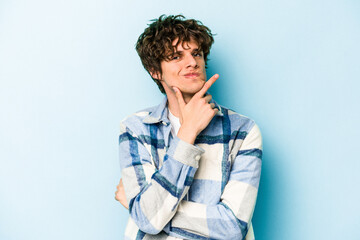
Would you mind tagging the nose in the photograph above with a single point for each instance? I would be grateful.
(191, 61)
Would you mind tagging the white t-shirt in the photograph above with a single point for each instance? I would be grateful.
(175, 123)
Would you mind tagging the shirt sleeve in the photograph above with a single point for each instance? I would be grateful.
(231, 217)
(154, 194)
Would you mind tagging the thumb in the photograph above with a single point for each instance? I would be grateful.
(179, 97)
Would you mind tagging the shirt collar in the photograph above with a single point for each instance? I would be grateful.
(220, 112)
(160, 114)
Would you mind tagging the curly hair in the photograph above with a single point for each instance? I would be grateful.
(155, 44)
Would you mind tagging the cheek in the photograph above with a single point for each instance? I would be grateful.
(204, 73)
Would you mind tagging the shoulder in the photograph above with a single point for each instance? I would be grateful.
(135, 122)
(237, 121)
(244, 128)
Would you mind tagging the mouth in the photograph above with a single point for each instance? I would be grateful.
(192, 75)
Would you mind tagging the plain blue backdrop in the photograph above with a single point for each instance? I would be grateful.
(69, 74)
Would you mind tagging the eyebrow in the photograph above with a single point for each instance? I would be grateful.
(194, 50)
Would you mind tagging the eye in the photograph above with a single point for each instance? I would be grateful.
(174, 56)
(198, 54)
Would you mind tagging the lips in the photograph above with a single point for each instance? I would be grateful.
(192, 74)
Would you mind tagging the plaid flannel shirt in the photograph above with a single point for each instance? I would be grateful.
(176, 190)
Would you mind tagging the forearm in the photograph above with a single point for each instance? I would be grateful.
(196, 220)
(231, 216)
(154, 195)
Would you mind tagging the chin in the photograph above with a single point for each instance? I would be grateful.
(191, 91)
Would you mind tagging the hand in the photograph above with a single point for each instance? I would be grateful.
(197, 113)
(120, 194)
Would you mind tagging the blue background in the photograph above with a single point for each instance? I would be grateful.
(69, 74)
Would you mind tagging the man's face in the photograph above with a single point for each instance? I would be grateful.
(185, 69)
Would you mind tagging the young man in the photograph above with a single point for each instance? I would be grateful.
(190, 168)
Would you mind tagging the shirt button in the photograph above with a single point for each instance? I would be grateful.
(197, 157)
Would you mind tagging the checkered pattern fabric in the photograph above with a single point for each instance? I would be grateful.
(177, 190)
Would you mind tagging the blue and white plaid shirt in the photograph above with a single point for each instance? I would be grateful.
(177, 190)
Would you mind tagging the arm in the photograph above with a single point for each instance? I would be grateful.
(153, 195)
(231, 217)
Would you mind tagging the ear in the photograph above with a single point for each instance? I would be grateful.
(155, 75)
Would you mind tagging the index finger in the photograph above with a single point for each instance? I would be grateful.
(208, 84)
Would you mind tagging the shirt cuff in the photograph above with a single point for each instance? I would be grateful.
(185, 153)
